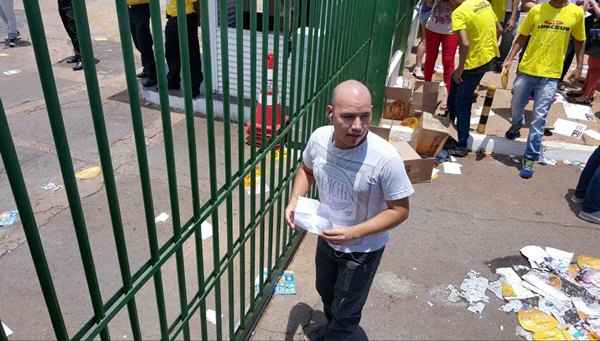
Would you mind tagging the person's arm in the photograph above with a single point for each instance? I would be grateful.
(593, 5)
(302, 182)
(499, 30)
(396, 213)
(513, 16)
(463, 51)
(514, 50)
(579, 48)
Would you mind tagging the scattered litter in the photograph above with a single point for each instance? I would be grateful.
(7, 331)
(52, 187)
(501, 327)
(477, 115)
(547, 162)
(211, 316)
(161, 218)
(206, 230)
(8, 218)
(591, 136)
(286, 284)
(439, 68)
(11, 72)
(415, 269)
(88, 173)
(100, 38)
(4, 54)
(430, 304)
(513, 306)
(435, 173)
(402, 83)
(569, 128)
(556, 298)
(312, 216)
(452, 168)
(578, 111)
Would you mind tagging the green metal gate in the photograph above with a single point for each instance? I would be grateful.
(345, 39)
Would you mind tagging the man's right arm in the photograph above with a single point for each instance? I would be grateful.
(302, 182)
(516, 47)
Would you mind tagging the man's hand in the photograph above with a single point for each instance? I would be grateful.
(457, 75)
(289, 212)
(511, 23)
(507, 64)
(575, 75)
(340, 235)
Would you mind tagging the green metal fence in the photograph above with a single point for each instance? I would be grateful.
(344, 39)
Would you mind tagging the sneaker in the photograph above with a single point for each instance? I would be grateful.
(458, 151)
(513, 132)
(73, 59)
(575, 200)
(12, 42)
(148, 82)
(526, 168)
(418, 73)
(592, 217)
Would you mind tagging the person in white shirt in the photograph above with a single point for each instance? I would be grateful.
(361, 178)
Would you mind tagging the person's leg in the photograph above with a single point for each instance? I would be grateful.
(432, 46)
(418, 70)
(520, 97)
(65, 10)
(145, 42)
(172, 53)
(326, 273)
(7, 12)
(354, 279)
(449, 46)
(506, 40)
(591, 166)
(195, 58)
(544, 92)
(568, 59)
(593, 77)
(464, 102)
(451, 100)
(591, 203)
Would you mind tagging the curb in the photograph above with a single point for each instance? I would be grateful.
(499, 145)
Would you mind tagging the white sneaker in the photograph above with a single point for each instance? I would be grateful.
(418, 73)
(593, 217)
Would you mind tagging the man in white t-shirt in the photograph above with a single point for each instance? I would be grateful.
(361, 178)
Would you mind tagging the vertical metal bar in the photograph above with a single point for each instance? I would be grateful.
(89, 65)
(284, 114)
(210, 132)
(159, 57)
(263, 162)
(227, 144)
(17, 184)
(40, 47)
(252, 145)
(275, 128)
(239, 35)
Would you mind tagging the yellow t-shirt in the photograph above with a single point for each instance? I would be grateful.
(477, 18)
(499, 7)
(172, 7)
(549, 29)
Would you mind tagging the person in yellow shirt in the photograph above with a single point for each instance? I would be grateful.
(549, 27)
(139, 22)
(478, 30)
(172, 46)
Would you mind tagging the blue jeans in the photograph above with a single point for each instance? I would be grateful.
(588, 186)
(543, 91)
(460, 100)
(343, 281)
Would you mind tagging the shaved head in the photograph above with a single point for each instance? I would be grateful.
(349, 113)
(350, 91)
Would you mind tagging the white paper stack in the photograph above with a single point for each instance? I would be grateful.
(311, 215)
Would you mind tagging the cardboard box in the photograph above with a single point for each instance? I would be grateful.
(431, 135)
(417, 168)
(406, 102)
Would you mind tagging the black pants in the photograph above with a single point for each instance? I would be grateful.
(139, 22)
(172, 52)
(343, 281)
(65, 10)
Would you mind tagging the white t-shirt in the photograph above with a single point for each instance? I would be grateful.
(440, 20)
(356, 183)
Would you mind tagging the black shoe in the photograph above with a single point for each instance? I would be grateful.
(148, 82)
(78, 66)
(173, 86)
(196, 93)
(141, 75)
(73, 59)
(513, 132)
(12, 42)
(458, 151)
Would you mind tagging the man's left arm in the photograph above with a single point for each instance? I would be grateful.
(396, 213)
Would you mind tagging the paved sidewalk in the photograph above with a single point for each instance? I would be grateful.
(457, 223)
